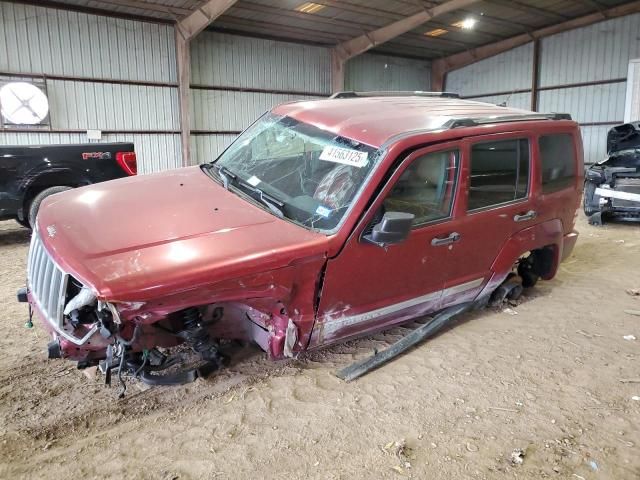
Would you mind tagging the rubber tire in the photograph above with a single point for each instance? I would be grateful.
(587, 195)
(24, 223)
(37, 201)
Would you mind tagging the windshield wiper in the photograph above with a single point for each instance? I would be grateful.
(272, 203)
(227, 176)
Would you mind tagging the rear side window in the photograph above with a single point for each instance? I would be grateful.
(558, 160)
(499, 173)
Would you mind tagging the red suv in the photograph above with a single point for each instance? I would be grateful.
(323, 221)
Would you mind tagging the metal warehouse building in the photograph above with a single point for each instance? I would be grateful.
(112, 65)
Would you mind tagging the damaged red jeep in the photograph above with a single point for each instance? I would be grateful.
(325, 220)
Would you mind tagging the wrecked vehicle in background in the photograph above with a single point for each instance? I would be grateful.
(325, 220)
(612, 187)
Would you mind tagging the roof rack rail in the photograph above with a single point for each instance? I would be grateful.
(417, 93)
(471, 122)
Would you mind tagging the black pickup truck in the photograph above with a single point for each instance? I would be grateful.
(29, 174)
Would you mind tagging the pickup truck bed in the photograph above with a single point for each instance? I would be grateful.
(29, 173)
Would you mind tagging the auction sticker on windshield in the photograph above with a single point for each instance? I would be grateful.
(344, 156)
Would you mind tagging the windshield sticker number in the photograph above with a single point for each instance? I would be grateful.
(323, 211)
(253, 181)
(344, 156)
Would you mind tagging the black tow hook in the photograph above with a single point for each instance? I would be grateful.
(22, 295)
(53, 349)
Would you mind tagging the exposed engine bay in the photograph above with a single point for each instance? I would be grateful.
(612, 187)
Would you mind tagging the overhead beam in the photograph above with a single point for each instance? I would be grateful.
(201, 18)
(528, 9)
(148, 7)
(186, 29)
(351, 48)
(441, 66)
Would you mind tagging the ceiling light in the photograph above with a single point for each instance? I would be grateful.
(467, 23)
(309, 7)
(436, 32)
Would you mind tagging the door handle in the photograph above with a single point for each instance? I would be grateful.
(530, 215)
(439, 241)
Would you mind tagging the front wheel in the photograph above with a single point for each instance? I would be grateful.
(37, 201)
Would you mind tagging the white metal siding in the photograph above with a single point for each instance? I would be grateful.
(232, 61)
(378, 72)
(219, 59)
(632, 99)
(588, 104)
(49, 42)
(595, 53)
(60, 42)
(216, 110)
(515, 100)
(207, 147)
(507, 71)
(83, 105)
(598, 52)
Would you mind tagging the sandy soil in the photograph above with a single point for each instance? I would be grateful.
(556, 380)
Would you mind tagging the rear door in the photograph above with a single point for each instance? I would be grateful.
(498, 201)
(367, 287)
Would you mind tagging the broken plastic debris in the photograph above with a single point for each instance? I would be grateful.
(634, 292)
(509, 311)
(83, 298)
(517, 456)
(633, 312)
(629, 337)
(636, 398)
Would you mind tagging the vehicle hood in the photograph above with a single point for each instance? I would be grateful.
(148, 236)
(623, 137)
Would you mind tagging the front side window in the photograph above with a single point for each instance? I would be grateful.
(426, 188)
(297, 171)
(558, 160)
(499, 173)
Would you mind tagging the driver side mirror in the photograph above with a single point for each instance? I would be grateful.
(392, 229)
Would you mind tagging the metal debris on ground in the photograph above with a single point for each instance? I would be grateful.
(629, 337)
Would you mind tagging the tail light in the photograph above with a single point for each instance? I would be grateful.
(128, 162)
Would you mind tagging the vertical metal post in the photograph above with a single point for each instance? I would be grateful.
(337, 71)
(535, 76)
(183, 59)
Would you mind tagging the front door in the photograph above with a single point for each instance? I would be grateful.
(367, 287)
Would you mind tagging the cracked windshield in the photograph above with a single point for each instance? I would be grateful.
(296, 170)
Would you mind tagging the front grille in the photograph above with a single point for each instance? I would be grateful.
(47, 283)
(629, 185)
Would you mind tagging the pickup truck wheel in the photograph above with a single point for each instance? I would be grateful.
(37, 201)
(589, 192)
(24, 223)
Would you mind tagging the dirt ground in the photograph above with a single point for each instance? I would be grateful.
(557, 380)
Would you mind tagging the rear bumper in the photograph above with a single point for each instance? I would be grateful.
(568, 242)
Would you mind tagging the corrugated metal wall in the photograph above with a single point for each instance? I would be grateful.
(505, 72)
(236, 79)
(582, 72)
(109, 74)
(370, 72)
(119, 76)
(632, 100)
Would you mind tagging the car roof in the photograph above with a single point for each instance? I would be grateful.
(375, 120)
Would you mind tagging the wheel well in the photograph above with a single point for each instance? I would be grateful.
(540, 261)
(42, 183)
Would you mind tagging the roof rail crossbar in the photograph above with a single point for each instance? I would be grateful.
(470, 122)
(351, 94)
